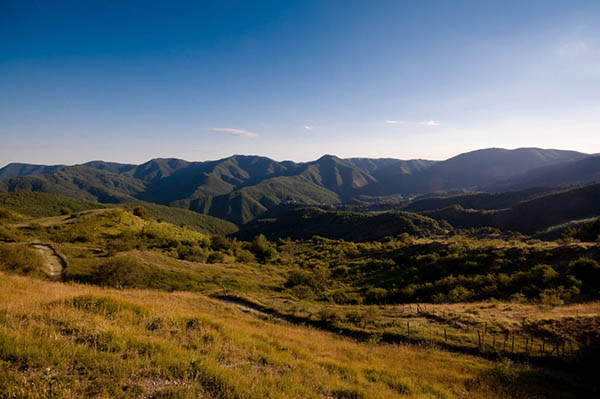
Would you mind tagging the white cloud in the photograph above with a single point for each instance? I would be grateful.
(233, 132)
(429, 123)
(308, 127)
(573, 48)
(393, 122)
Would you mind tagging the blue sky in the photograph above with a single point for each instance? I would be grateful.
(133, 80)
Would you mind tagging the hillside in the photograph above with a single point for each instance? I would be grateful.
(168, 312)
(584, 171)
(241, 188)
(484, 201)
(528, 216)
(304, 223)
(28, 204)
(83, 341)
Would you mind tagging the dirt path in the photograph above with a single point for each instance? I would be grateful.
(62, 219)
(54, 264)
(245, 307)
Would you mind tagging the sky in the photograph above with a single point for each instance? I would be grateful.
(128, 81)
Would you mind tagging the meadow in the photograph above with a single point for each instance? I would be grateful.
(149, 309)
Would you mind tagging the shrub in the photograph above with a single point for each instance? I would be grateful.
(587, 271)
(192, 253)
(118, 273)
(216, 257)
(244, 256)
(21, 259)
(326, 315)
(126, 241)
(302, 292)
(316, 279)
(141, 212)
(375, 295)
(343, 297)
(459, 294)
(355, 317)
(262, 248)
(220, 243)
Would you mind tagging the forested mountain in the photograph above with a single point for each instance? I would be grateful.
(528, 216)
(240, 188)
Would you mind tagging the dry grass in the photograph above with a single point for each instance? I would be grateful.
(70, 341)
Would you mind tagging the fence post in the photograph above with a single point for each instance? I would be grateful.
(513, 344)
(445, 336)
(479, 338)
(408, 329)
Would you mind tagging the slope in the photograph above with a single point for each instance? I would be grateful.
(304, 223)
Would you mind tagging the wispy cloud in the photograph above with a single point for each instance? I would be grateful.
(429, 123)
(393, 122)
(233, 132)
(573, 48)
(308, 127)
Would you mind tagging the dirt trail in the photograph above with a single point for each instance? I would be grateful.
(54, 264)
(246, 307)
(62, 219)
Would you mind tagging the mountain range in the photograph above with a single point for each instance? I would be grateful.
(241, 188)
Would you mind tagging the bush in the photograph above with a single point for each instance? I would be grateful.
(126, 241)
(192, 253)
(302, 292)
(376, 295)
(316, 279)
(459, 294)
(262, 248)
(220, 243)
(244, 256)
(21, 259)
(326, 315)
(587, 271)
(216, 257)
(118, 273)
(141, 212)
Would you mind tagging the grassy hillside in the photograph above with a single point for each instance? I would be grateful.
(72, 341)
(183, 217)
(21, 204)
(168, 312)
(303, 223)
(36, 204)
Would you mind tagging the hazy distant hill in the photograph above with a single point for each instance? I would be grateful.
(528, 216)
(240, 188)
(583, 171)
(484, 201)
(23, 169)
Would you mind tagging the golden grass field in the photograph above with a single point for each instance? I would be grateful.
(62, 340)
(179, 340)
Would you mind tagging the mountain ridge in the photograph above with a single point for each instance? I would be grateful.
(240, 188)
